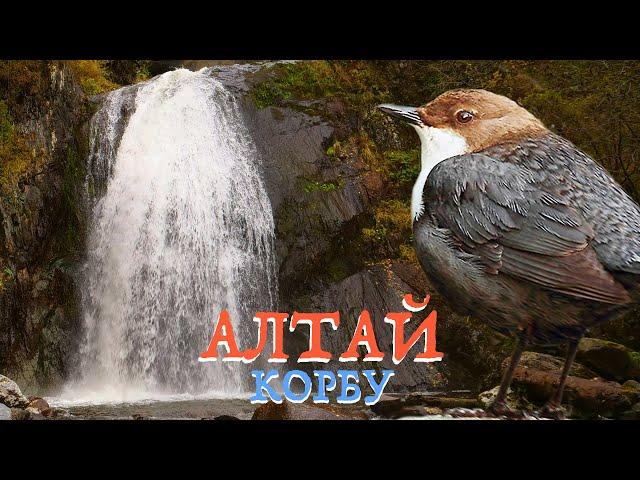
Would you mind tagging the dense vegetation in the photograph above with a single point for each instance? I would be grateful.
(23, 86)
(44, 108)
(596, 104)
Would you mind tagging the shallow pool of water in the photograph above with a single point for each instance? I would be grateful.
(194, 409)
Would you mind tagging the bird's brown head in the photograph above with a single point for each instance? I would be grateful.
(482, 118)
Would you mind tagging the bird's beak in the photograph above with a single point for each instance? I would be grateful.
(407, 114)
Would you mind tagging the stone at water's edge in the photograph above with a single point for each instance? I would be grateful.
(15, 406)
(590, 398)
(551, 364)
(632, 414)
(388, 404)
(226, 418)
(301, 411)
(378, 289)
(586, 395)
(418, 404)
(513, 401)
(609, 359)
(10, 394)
(40, 406)
(631, 384)
(20, 414)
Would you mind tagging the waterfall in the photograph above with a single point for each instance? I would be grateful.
(181, 227)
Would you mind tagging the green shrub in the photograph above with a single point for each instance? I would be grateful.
(595, 104)
(15, 155)
(403, 166)
(92, 76)
(127, 72)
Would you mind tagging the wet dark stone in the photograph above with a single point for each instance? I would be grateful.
(226, 418)
(20, 414)
(301, 411)
(611, 360)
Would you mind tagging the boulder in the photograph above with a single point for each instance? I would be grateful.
(416, 411)
(10, 394)
(442, 402)
(39, 406)
(5, 412)
(589, 398)
(378, 289)
(301, 411)
(609, 359)
(419, 404)
(20, 414)
(514, 401)
(551, 364)
(632, 385)
(632, 414)
(226, 418)
(387, 404)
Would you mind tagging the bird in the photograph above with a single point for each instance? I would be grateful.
(516, 226)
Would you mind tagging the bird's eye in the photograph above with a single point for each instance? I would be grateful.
(464, 116)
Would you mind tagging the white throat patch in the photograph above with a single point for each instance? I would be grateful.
(438, 144)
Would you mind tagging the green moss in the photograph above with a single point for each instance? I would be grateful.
(126, 72)
(594, 104)
(314, 186)
(92, 76)
(333, 150)
(635, 358)
(73, 174)
(337, 270)
(6, 126)
(7, 274)
(403, 166)
(390, 234)
(23, 83)
(286, 219)
(407, 253)
(268, 94)
(16, 157)
(300, 80)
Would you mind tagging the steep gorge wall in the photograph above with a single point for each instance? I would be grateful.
(322, 203)
(41, 220)
(337, 173)
(325, 190)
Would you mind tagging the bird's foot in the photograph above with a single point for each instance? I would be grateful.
(554, 411)
(466, 412)
(500, 409)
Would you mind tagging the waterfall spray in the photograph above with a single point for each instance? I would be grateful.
(182, 230)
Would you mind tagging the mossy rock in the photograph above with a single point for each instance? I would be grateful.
(609, 359)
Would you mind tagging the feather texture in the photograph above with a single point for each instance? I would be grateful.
(519, 226)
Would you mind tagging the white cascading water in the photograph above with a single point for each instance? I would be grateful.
(182, 229)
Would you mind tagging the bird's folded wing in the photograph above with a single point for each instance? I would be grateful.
(516, 226)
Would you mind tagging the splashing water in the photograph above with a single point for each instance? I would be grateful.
(184, 228)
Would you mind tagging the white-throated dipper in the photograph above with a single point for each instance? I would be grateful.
(516, 226)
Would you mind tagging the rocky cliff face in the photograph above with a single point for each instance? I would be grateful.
(321, 199)
(321, 202)
(42, 226)
(342, 230)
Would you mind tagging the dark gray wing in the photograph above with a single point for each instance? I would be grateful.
(497, 211)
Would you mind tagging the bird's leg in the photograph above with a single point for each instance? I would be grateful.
(499, 406)
(553, 407)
